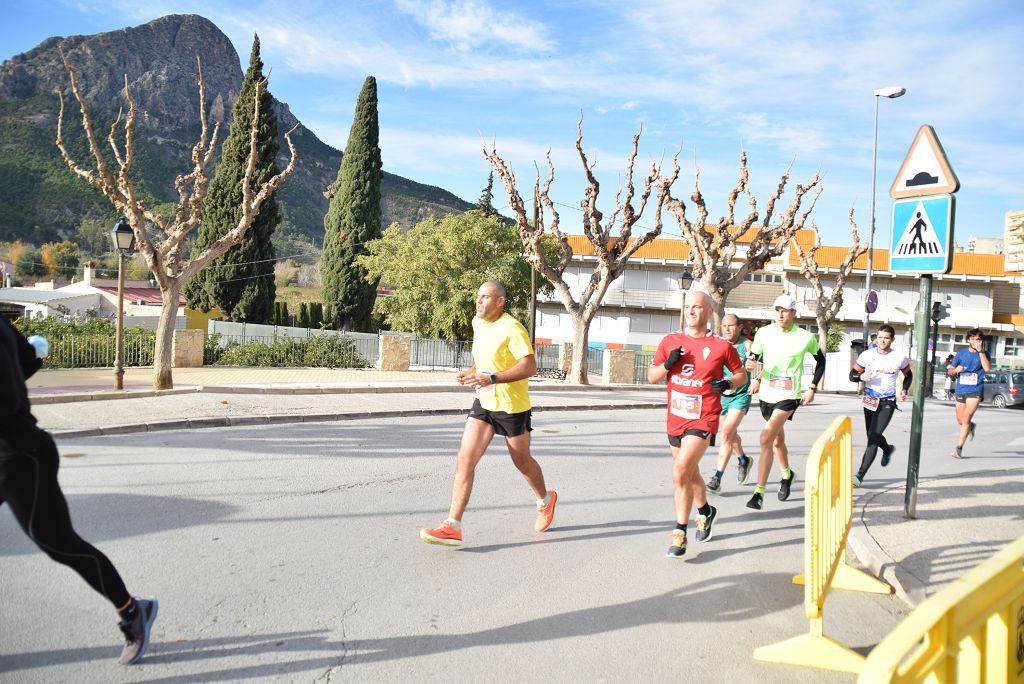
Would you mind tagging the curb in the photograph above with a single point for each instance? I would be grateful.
(907, 588)
(67, 398)
(240, 421)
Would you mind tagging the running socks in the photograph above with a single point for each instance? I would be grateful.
(681, 526)
(719, 473)
(759, 489)
(130, 610)
(786, 473)
(545, 501)
(705, 509)
(456, 525)
(743, 460)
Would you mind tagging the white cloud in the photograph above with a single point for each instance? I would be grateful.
(471, 24)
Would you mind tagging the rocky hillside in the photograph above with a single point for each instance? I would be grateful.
(39, 198)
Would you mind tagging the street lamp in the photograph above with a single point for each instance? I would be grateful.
(891, 92)
(685, 281)
(123, 238)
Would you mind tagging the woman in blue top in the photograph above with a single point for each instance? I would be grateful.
(968, 367)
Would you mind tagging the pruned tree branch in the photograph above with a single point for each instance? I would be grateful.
(612, 252)
(165, 256)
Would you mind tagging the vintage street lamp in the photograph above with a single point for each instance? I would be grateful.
(891, 92)
(685, 280)
(123, 238)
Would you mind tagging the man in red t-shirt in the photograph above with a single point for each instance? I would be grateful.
(692, 361)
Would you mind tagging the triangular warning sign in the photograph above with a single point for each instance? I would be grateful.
(925, 171)
(918, 238)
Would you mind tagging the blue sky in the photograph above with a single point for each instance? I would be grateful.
(790, 81)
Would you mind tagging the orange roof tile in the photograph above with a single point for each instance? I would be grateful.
(827, 255)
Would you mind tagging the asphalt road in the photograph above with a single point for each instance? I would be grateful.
(290, 552)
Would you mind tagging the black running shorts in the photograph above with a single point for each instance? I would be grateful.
(504, 424)
(677, 440)
(785, 405)
(962, 397)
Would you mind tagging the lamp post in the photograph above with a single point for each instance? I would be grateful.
(891, 92)
(685, 281)
(123, 238)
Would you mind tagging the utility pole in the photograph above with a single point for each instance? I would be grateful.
(533, 272)
(921, 325)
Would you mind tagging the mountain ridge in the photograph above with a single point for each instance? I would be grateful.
(41, 200)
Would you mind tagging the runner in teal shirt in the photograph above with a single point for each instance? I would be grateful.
(734, 407)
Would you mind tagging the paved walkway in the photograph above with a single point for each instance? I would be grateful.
(964, 512)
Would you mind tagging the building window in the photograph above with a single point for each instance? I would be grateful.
(640, 322)
(636, 279)
(663, 324)
(1014, 346)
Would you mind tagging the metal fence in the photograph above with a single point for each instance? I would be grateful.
(99, 350)
(642, 361)
(547, 356)
(440, 354)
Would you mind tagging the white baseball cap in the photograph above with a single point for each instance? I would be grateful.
(785, 301)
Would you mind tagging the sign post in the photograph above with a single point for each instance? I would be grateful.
(922, 244)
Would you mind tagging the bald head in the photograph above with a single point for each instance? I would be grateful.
(697, 312)
(730, 327)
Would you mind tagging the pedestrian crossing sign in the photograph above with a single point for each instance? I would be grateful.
(922, 235)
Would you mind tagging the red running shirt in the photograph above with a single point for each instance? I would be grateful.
(692, 404)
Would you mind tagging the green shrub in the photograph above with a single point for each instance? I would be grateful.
(318, 351)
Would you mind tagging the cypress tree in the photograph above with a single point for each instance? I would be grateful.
(353, 219)
(241, 283)
(486, 204)
(303, 317)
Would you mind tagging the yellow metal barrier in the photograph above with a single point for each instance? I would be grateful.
(971, 631)
(828, 512)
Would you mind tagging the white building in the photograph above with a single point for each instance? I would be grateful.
(91, 297)
(643, 305)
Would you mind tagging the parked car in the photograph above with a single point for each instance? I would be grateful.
(1004, 388)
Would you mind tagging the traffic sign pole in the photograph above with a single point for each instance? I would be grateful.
(921, 326)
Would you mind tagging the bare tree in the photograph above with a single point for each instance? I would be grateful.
(827, 306)
(713, 247)
(164, 249)
(612, 252)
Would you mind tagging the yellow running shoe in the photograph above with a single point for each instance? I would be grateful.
(546, 513)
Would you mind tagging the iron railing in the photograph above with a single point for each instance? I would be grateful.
(99, 350)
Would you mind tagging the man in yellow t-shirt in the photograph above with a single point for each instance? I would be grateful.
(503, 361)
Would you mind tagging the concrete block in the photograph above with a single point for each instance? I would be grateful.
(619, 367)
(187, 348)
(395, 352)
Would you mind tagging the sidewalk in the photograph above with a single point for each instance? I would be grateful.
(963, 516)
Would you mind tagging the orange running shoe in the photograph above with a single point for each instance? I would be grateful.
(443, 534)
(546, 514)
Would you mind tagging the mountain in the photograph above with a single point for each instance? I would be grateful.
(40, 200)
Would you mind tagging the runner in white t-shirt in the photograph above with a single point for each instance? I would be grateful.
(877, 368)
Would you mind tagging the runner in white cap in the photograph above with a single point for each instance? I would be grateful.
(781, 349)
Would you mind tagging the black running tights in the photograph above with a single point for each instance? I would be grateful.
(28, 484)
(876, 422)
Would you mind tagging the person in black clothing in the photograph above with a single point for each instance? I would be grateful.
(28, 484)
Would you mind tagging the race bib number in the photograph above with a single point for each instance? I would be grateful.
(685, 405)
(870, 403)
(968, 378)
(781, 382)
